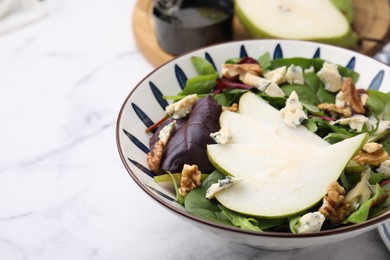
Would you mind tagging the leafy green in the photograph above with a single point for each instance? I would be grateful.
(379, 103)
(362, 213)
(197, 204)
(233, 60)
(265, 223)
(229, 97)
(265, 61)
(293, 223)
(203, 66)
(276, 102)
(202, 84)
(331, 133)
(239, 220)
(383, 205)
(179, 198)
(313, 92)
(333, 138)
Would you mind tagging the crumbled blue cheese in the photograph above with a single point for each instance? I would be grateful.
(277, 76)
(331, 77)
(364, 99)
(384, 168)
(294, 75)
(167, 131)
(361, 192)
(274, 90)
(355, 122)
(371, 147)
(220, 185)
(223, 136)
(293, 113)
(310, 222)
(267, 86)
(309, 70)
(258, 82)
(182, 107)
(340, 101)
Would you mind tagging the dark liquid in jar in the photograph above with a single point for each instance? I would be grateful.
(196, 17)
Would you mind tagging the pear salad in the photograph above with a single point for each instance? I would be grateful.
(283, 145)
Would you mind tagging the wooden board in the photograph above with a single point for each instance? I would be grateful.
(372, 24)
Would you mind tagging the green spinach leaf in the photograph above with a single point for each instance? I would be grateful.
(362, 213)
(203, 66)
(265, 61)
(197, 204)
(379, 104)
(202, 84)
(312, 93)
(239, 220)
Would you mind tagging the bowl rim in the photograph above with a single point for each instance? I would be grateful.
(369, 224)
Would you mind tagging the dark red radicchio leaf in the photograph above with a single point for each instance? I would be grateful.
(188, 144)
(248, 60)
(223, 84)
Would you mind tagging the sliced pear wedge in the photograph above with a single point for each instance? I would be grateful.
(278, 181)
(269, 123)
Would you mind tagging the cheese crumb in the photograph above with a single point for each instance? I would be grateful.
(294, 75)
(223, 136)
(277, 75)
(310, 222)
(331, 77)
(293, 113)
(182, 107)
(355, 122)
(167, 131)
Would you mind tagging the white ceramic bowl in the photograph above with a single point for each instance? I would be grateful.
(144, 105)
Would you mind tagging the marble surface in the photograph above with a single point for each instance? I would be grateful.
(64, 193)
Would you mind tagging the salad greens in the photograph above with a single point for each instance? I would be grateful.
(215, 91)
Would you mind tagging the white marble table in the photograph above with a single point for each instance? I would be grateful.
(64, 193)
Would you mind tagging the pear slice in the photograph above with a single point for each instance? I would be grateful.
(318, 20)
(278, 181)
(269, 123)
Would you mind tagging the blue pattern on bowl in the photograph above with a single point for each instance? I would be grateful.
(180, 76)
(377, 81)
(317, 54)
(158, 95)
(142, 168)
(278, 53)
(243, 52)
(351, 64)
(137, 142)
(141, 115)
(210, 59)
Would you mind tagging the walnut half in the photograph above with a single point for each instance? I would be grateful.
(352, 96)
(234, 71)
(334, 207)
(154, 157)
(333, 109)
(190, 179)
(372, 154)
